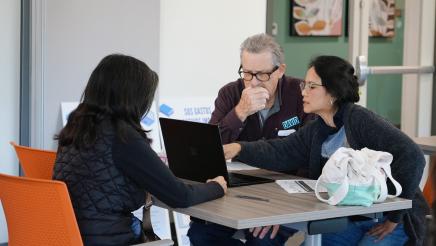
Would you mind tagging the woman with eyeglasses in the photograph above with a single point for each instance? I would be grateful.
(330, 90)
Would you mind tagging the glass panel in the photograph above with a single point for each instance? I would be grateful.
(384, 91)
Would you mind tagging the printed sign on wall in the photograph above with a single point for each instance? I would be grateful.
(198, 109)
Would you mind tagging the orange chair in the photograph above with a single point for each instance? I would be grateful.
(37, 163)
(428, 191)
(38, 212)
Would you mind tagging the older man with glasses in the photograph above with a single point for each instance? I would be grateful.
(262, 104)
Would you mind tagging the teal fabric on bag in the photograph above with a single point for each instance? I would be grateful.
(356, 195)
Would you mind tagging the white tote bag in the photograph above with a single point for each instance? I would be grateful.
(356, 177)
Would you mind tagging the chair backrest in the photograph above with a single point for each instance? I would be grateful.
(429, 188)
(38, 212)
(37, 163)
(428, 191)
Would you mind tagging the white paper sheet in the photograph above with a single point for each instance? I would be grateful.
(236, 166)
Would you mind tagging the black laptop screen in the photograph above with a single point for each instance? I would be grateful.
(193, 149)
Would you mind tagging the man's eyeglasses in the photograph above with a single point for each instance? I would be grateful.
(309, 84)
(261, 76)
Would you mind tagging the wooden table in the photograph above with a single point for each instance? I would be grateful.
(282, 207)
(427, 144)
(163, 242)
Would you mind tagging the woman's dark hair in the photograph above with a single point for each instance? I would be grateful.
(338, 77)
(121, 89)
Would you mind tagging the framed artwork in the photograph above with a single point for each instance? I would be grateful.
(316, 17)
(381, 18)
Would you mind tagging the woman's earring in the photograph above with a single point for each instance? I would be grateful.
(331, 101)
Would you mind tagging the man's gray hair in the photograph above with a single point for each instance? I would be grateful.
(263, 42)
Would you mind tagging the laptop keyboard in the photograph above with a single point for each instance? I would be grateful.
(237, 179)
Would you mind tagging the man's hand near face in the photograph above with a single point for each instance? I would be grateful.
(252, 100)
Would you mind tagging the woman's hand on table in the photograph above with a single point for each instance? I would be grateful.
(263, 230)
(221, 181)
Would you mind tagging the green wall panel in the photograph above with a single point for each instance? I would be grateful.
(384, 91)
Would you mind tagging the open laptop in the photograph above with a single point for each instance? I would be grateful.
(195, 152)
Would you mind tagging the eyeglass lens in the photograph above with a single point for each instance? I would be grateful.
(263, 77)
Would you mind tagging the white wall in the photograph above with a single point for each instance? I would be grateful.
(9, 93)
(193, 44)
(76, 35)
(200, 41)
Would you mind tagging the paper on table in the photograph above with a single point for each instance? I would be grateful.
(298, 185)
(235, 166)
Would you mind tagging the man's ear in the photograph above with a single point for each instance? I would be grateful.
(282, 69)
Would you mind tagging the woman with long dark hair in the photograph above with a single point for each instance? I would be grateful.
(105, 158)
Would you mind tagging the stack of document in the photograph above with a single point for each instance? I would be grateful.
(299, 185)
(238, 166)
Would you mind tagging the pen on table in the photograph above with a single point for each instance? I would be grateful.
(301, 186)
(304, 185)
(252, 198)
